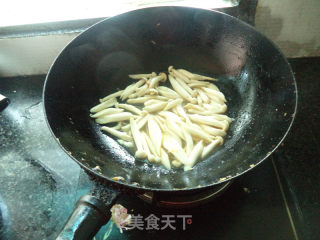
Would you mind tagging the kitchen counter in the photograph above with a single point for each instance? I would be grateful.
(39, 183)
(298, 160)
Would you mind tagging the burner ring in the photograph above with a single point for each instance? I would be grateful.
(193, 199)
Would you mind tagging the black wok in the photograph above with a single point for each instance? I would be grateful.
(254, 75)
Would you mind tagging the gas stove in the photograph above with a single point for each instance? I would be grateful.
(40, 185)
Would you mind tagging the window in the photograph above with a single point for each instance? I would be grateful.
(20, 12)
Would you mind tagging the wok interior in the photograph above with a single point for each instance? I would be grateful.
(254, 76)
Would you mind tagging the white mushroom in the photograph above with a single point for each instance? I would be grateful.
(155, 80)
(139, 76)
(140, 153)
(170, 116)
(186, 87)
(180, 90)
(165, 159)
(186, 73)
(106, 112)
(152, 92)
(118, 126)
(182, 113)
(215, 107)
(152, 148)
(208, 120)
(213, 131)
(209, 148)
(142, 121)
(173, 127)
(193, 106)
(212, 86)
(113, 95)
(167, 92)
(152, 101)
(194, 156)
(173, 147)
(196, 131)
(145, 146)
(221, 117)
(199, 100)
(156, 107)
(117, 133)
(197, 84)
(217, 94)
(126, 143)
(139, 92)
(201, 77)
(114, 118)
(177, 74)
(130, 108)
(203, 96)
(131, 89)
(109, 103)
(189, 142)
(176, 163)
(155, 134)
(126, 128)
(173, 103)
(139, 100)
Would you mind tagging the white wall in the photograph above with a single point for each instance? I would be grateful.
(30, 55)
(294, 25)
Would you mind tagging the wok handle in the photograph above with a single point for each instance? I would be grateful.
(90, 214)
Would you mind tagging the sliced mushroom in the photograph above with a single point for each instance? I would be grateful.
(130, 108)
(106, 112)
(114, 118)
(173, 127)
(194, 156)
(117, 133)
(139, 76)
(140, 153)
(109, 103)
(209, 148)
(113, 95)
(155, 134)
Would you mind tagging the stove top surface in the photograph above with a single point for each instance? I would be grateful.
(39, 183)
